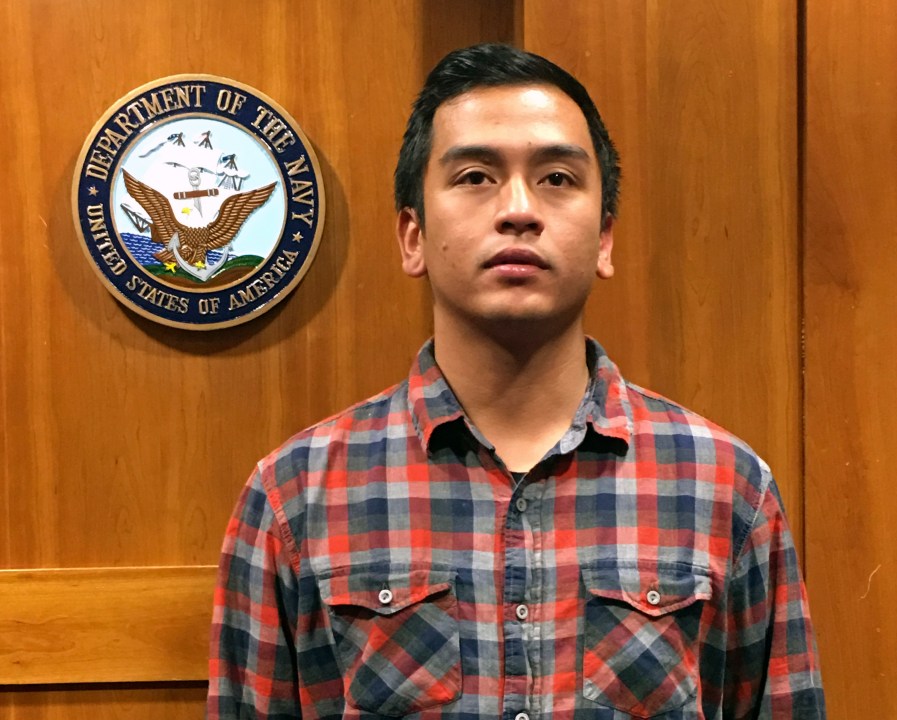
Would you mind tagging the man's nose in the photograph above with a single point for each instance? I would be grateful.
(518, 211)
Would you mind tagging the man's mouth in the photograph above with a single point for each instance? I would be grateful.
(517, 257)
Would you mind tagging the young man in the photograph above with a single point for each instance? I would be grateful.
(514, 532)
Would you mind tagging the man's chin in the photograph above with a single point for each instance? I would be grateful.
(527, 323)
(509, 320)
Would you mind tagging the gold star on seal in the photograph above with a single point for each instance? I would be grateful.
(297, 236)
(92, 190)
(170, 266)
(199, 264)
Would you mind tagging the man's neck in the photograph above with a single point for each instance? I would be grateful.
(521, 392)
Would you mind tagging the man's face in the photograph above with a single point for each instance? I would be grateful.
(512, 198)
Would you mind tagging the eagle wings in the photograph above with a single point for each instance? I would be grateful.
(195, 242)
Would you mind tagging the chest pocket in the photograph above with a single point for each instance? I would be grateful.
(396, 634)
(641, 624)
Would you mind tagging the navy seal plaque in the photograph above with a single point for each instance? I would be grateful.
(199, 201)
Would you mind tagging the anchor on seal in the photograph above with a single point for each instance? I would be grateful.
(194, 175)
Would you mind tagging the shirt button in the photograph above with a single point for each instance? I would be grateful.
(653, 597)
(522, 613)
(385, 596)
(521, 715)
(520, 504)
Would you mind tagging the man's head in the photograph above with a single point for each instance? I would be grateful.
(510, 168)
(493, 65)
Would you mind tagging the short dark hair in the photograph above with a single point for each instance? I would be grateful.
(493, 65)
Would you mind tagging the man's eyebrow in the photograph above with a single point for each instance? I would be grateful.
(482, 153)
(561, 151)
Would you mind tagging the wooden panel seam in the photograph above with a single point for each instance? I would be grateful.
(100, 625)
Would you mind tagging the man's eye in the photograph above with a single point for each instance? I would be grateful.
(474, 177)
(558, 179)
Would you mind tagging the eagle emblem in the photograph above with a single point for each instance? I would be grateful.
(188, 246)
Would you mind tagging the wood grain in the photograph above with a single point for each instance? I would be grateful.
(148, 701)
(701, 99)
(850, 263)
(105, 625)
(148, 432)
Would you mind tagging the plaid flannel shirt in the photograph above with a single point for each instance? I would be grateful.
(385, 563)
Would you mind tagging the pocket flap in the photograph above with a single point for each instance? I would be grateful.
(653, 588)
(365, 586)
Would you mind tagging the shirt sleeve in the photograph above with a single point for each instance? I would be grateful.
(252, 660)
(772, 664)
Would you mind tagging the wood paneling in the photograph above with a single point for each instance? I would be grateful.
(851, 341)
(701, 99)
(148, 432)
(104, 702)
(105, 624)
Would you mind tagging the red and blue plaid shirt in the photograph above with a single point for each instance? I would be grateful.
(385, 562)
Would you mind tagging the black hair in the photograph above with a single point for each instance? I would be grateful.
(493, 65)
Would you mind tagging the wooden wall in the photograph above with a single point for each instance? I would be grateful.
(757, 142)
(850, 260)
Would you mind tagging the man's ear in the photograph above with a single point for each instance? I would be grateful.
(410, 235)
(605, 268)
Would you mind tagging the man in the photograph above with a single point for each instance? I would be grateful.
(513, 532)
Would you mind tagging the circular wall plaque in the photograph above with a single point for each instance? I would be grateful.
(199, 201)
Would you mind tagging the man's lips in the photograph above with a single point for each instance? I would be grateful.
(516, 256)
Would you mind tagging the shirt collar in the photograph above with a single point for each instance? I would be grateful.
(605, 405)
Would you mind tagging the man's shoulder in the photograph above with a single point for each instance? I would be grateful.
(355, 423)
(648, 413)
(364, 423)
(674, 426)
(693, 447)
(656, 409)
